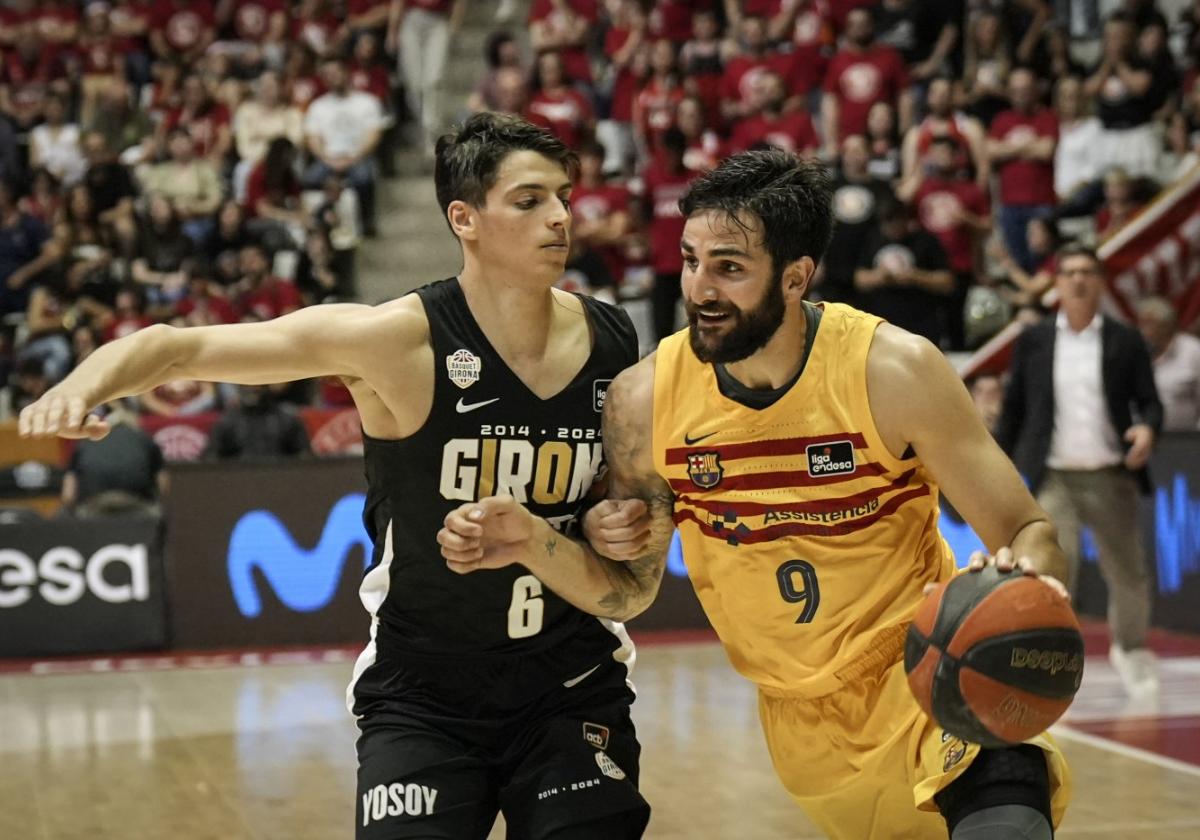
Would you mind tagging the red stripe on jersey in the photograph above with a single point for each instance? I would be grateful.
(774, 480)
(801, 529)
(816, 506)
(763, 448)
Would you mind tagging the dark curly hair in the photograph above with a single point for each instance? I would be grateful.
(791, 198)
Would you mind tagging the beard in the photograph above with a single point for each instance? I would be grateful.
(750, 332)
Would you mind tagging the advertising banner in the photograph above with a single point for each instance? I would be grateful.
(267, 553)
(72, 586)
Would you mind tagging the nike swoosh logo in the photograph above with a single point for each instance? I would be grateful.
(691, 441)
(580, 678)
(463, 408)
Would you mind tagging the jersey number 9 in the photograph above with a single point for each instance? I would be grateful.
(808, 592)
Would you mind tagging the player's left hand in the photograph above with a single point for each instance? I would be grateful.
(618, 529)
(489, 534)
(1005, 561)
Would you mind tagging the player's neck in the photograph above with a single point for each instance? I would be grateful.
(777, 363)
(516, 317)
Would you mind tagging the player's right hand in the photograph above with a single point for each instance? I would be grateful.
(63, 415)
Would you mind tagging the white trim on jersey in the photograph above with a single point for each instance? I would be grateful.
(373, 592)
(626, 653)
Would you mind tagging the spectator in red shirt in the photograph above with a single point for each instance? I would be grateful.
(672, 19)
(557, 106)
(58, 23)
(654, 106)
(600, 211)
(27, 76)
(181, 30)
(1022, 142)
(742, 71)
(300, 80)
(808, 25)
(365, 16)
(205, 303)
(702, 63)
(260, 295)
(861, 74)
(704, 148)
(793, 132)
(367, 72)
(128, 315)
(564, 26)
(944, 121)
(316, 27)
(955, 210)
(206, 121)
(663, 184)
(254, 31)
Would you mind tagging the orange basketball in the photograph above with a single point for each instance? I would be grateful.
(994, 657)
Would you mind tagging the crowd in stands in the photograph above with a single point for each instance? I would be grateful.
(181, 161)
(966, 138)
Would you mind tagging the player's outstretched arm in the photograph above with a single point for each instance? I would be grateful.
(329, 340)
(918, 399)
(497, 531)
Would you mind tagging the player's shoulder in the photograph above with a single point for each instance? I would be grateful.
(400, 323)
(902, 359)
(634, 386)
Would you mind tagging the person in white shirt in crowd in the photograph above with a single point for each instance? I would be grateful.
(1176, 363)
(420, 31)
(342, 129)
(1077, 157)
(55, 144)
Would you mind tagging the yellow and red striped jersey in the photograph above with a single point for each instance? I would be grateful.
(807, 541)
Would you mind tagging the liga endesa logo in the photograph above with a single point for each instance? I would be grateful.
(304, 580)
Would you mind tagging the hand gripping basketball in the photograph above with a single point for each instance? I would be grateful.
(995, 656)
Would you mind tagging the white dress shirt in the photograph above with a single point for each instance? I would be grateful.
(1083, 436)
(1177, 375)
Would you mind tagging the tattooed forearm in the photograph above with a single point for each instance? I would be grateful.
(628, 438)
(635, 582)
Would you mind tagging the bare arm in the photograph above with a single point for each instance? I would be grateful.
(917, 399)
(601, 586)
(281, 350)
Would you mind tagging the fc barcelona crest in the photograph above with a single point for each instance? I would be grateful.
(704, 469)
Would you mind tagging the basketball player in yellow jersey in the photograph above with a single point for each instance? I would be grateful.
(805, 446)
(800, 450)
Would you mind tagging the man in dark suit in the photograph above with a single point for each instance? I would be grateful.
(1079, 420)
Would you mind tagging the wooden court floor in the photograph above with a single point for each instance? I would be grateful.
(266, 751)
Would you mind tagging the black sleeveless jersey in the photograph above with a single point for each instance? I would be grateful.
(486, 434)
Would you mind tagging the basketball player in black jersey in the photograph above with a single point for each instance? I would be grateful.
(485, 692)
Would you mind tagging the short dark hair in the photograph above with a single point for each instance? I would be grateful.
(1078, 249)
(791, 197)
(469, 159)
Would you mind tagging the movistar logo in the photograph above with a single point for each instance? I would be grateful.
(304, 580)
(1176, 534)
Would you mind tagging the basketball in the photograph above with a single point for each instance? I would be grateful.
(994, 657)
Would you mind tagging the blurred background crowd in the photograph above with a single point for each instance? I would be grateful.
(213, 161)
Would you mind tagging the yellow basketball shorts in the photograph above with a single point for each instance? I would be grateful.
(865, 762)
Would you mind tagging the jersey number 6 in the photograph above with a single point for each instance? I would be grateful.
(525, 611)
(799, 571)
